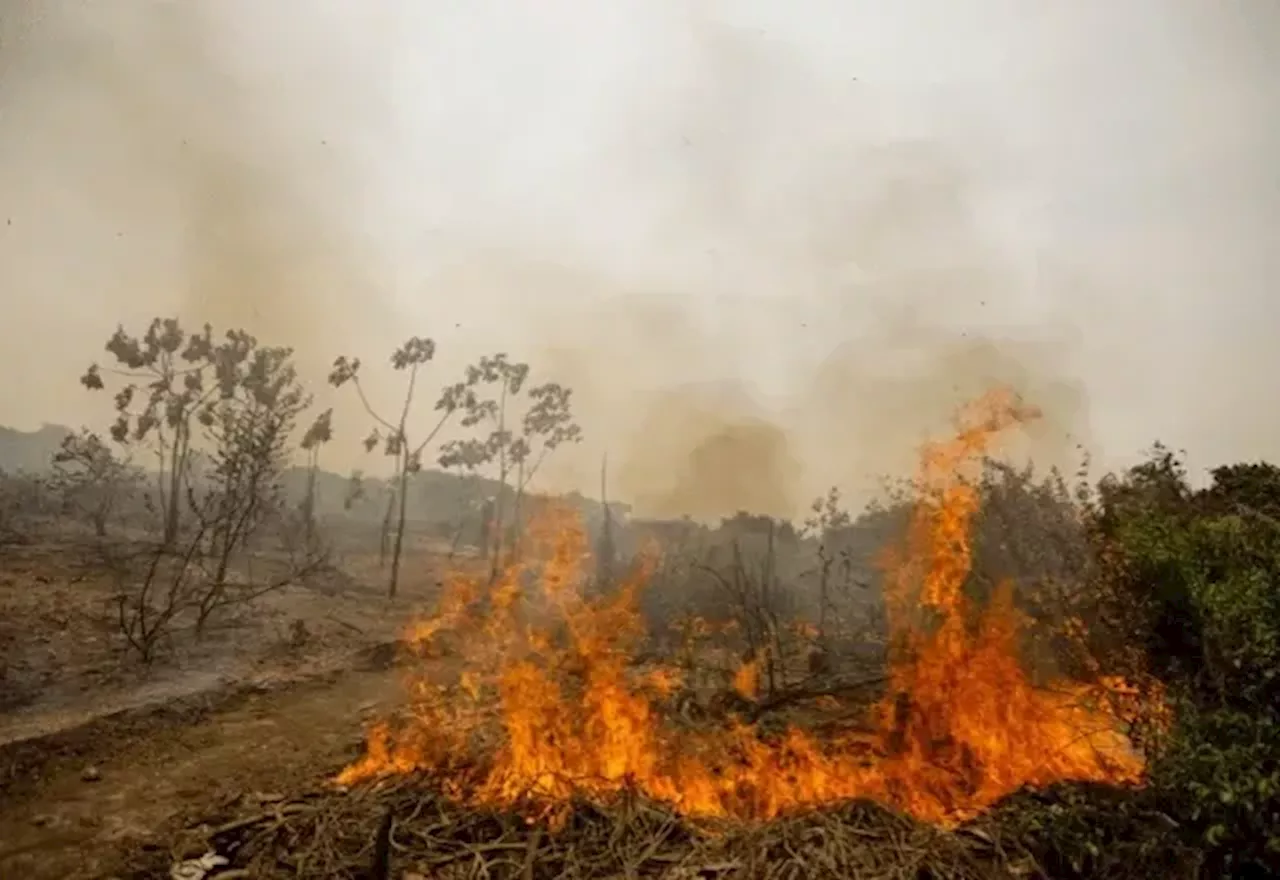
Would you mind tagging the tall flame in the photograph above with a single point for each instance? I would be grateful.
(545, 701)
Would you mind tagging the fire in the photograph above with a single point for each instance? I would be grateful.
(545, 702)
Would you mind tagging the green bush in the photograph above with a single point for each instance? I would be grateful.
(1220, 774)
(1196, 575)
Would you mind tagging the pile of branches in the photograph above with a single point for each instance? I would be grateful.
(404, 828)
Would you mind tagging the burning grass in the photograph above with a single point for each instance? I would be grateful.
(432, 836)
(404, 827)
(547, 705)
(546, 750)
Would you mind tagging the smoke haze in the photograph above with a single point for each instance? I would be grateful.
(770, 246)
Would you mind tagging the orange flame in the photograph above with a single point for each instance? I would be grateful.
(546, 702)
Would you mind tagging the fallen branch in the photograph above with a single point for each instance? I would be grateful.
(806, 692)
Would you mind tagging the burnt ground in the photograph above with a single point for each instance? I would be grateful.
(99, 754)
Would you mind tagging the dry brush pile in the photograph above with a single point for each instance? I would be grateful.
(404, 827)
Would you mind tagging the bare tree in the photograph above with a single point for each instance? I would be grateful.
(394, 434)
(91, 479)
(525, 426)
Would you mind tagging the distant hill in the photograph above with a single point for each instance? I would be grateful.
(435, 496)
(30, 451)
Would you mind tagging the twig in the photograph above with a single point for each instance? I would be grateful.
(381, 869)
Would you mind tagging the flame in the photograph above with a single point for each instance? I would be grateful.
(746, 680)
(546, 702)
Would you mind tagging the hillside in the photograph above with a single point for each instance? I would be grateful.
(435, 496)
(29, 451)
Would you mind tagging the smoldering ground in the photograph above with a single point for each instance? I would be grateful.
(769, 250)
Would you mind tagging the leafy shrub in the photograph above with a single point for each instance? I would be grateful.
(1196, 575)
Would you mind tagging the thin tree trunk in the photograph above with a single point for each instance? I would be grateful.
(384, 536)
(517, 524)
(499, 527)
(400, 520)
(607, 552)
(824, 597)
(309, 511)
(177, 466)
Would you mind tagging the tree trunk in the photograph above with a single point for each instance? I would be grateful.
(517, 525)
(400, 519)
(824, 595)
(384, 536)
(176, 468)
(309, 504)
(499, 530)
(499, 526)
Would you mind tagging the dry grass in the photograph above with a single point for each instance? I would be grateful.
(405, 827)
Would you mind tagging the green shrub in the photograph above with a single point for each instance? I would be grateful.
(1197, 574)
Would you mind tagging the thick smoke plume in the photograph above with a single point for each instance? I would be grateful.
(769, 246)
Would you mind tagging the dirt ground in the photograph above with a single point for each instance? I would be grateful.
(99, 753)
(87, 811)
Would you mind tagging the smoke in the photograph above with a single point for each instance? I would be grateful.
(770, 248)
(153, 170)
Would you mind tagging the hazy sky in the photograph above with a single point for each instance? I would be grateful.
(768, 243)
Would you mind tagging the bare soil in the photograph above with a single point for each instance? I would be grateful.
(141, 782)
(99, 754)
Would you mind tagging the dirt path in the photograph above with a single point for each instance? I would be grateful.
(72, 826)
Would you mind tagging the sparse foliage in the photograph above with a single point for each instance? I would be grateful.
(219, 417)
(248, 430)
(525, 425)
(92, 480)
(394, 435)
(167, 376)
